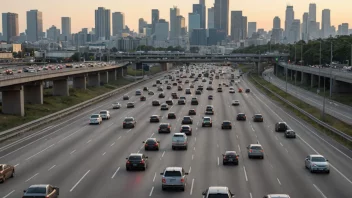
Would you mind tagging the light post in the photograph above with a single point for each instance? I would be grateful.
(295, 53)
(319, 68)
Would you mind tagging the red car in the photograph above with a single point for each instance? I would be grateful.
(240, 90)
(142, 98)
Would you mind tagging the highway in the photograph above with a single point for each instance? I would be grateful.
(89, 160)
(333, 108)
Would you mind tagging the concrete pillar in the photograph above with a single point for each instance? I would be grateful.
(33, 93)
(13, 100)
(291, 71)
(80, 82)
(113, 74)
(60, 87)
(94, 80)
(303, 78)
(163, 66)
(313, 80)
(104, 77)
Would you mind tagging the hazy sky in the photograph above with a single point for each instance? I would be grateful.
(82, 11)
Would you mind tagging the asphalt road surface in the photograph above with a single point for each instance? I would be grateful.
(333, 108)
(89, 161)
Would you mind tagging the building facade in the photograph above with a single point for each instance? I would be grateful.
(118, 23)
(102, 24)
(221, 15)
(66, 28)
(34, 25)
(10, 26)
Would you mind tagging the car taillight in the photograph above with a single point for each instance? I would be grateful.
(250, 150)
(262, 150)
(128, 161)
(182, 180)
(236, 157)
(169, 127)
(124, 122)
(224, 157)
(146, 144)
(164, 180)
(156, 144)
(142, 162)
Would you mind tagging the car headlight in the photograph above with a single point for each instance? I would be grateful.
(314, 165)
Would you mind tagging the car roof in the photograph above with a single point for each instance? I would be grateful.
(151, 139)
(226, 121)
(315, 155)
(185, 126)
(129, 118)
(39, 186)
(136, 154)
(179, 134)
(218, 190)
(257, 114)
(173, 169)
(206, 117)
(278, 196)
(281, 122)
(255, 145)
(230, 152)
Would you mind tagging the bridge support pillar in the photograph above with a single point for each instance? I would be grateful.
(94, 80)
(80, 82)
(304, 78)
(259, 67)
(119, 72)
(13, 100)
(60, 87)
(113, 74)
(291, 72)
(313, 80)
(104, 77)
(33, 93)
(164, 66)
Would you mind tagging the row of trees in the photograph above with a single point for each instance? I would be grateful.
(310, 51)
(151, 48)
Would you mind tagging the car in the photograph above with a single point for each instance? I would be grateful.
(210, 82)
(209, 110)
(258, 118)
(248, 90)
(168, 87)
(186, 129)
(187, 120)
(155, 103)
(136, 161)
(290, 133)
(174, 84)
(150, 93)
(42, 190)
(95, 119)
(187, 81)
(317, 163)
(207, 122)
(154, 85)
(181, 102)
(143, 98)
(151, 144)
(145, 89)
(192, 112)
(9, 72)
(179, 88)
(219, 89)
(161, 95)
(226, 125)
(191, 86)
(198, 92)
(130, 105)
(164, 107)
(126, 97)
(6, 171)
(194, 101)
(235, 103)
(179, 140)
(230, 157)
(129, 122)
(209, 88)
(138, 92)
(174, 95)
(164, 128)
(160, 89)
(200, 88)
(217, 192)
(240, 90)
(210, 97)
(169, 102)
(116, 105)
(231, 90)
(255, 150)
(281, 127)
(188, 91)
(241, 116)
(174, 177)
(105, 114)
(171, 115)
(277, 196)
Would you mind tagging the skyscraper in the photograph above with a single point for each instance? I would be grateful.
(182, 25)
(252, 28)
(290, 15)
(9, 26)
(141, 25)
(161, 30)
(236, 25)
(276, 23)
(174, 12)
(221, 15)
(325, 23)
(305, 23)
(193, 22)
(211, 17)
(34, 25)
(244, 27)
(53, 33)
(66, 28)
(312, 12)
(200, 9)
(199, 37)
(295, 30)
(155, 18)
(102, 24)
(118, 23)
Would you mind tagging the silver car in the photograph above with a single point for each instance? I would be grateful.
(277, 196)
(217, 191)
(317, 163)
(174, 177)
(116, 105)
(42, 190)
(105, 115)
(255, 150)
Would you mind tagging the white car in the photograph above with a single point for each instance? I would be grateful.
(235, 103)
(116, 105)
(95, 119)
(317, 163)
(105, 115)
(231, 90)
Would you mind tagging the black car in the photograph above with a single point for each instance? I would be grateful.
(241, 116)
(168, 87)
(198, 92)
(136, 161)
(258, 118)
(281, 127)
(187, 120)
(156, 103)
(129, 122)
(174, 84)
(194, 101)
(192, 112)
(154, 118)
(186, 129)
(161, 95)
(230, 157)
(145, 89)
(151, 144)
(181, 102)
(169, 102)
(171, 115)
(248, 90)
(125, 97)
(290, 134)
(226, 125)
(164, 128)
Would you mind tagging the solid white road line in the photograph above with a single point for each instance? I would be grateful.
(245, 173)
(117, 170)
(31, 177)
(51, 167)
(192, 187)
(112, 144)
(8, 194)
(151, 135)
(40, 152)
(278, 181)
(163, 154)
(151, 191)
(72, 152)
(218, 161)
(79, 181)
(154, 176)
(128, 130)
(322, 194)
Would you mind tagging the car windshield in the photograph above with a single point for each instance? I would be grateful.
(172, 174)
(258, 116)
(36, 190)
(318, 159)
(103, 112)
(94, 116)
(186, 118)
(128, 120)
(218, 196)
(134, 158)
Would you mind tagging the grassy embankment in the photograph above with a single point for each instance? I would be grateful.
(139, 72)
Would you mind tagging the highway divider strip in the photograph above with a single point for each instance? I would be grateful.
(316, 120)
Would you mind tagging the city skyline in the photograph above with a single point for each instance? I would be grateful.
(339, 11)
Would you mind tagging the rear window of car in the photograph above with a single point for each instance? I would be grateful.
(154, 117)
(186, 118)
(226, 123)
(164, 126)
(258, 116)
(185, 128)
(134, 158)
(218, 196)
(172, 174)
(37, 190)
(128, 119)
(150, 141)
(256, 147)
(103, 112)
(206, 119)
(94, 116)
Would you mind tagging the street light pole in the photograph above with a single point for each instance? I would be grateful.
(319, 67)
(301, 54)
(295, 53)
(331, 82)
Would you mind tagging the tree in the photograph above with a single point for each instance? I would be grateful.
(194, 49)
(76, 57)
(114, 49)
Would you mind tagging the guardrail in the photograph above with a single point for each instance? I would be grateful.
(316, 120)
(60, 114)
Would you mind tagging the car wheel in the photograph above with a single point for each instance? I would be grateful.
(249, 157)
(230, 127)
(211, 125)
(13, 174)
(223, 163)
(128, 169)
(236, 163)
(262, 157)
(123, 127)
(222, 127)
(328, 172)
(202, 125)
(173, 148)
(163, 188)
(186, 147)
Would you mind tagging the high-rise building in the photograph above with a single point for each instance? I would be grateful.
(204, 14)
(276, 23)
(141, 25)
(174, 12)
(193, 22)
(216, 36)
(211, 17)
(161, 30)
(102, 24)
(305, 27)
(200, 9)
(325, 23)
(221, 15)
(236, 25)
(290, 15)
(53, 33)
(199, 37)
(66, 28)
(182, 30)
(34, 25)
(118, 23)
(312, 12)
(344, 29)
(155, 18)
(10, 26)
(244, 27)
(252, 28)
(295, 31)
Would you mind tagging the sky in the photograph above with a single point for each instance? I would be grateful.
(82, 11)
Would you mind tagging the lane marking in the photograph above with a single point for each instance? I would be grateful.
(40, 152)
(245, 173)
(151, 191)
(195, 139)
(8, 194)
(128, 130)
(194, 148)
(192, 187)
(112, 144)
(104, 153)
(163, 154)
(192, 157)
(16, 165)
(117, 170)
(276, 137)
(286, 149)
(119, 138)
(72, 152)
(52, 167)
(79, 181)
(239, 148)
(217, 145)
(281, 144)
(218, 161)
(154, 176)
(237, 136)
(138, 151)
(79, 130)
(250, 195)
(152, 135)
(31, 177)
(278, 181)
(322, 194)
(190, 169)
(89, 141)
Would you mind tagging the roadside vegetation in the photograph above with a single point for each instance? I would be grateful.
(140, 72)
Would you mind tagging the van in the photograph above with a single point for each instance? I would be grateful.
(179, 140)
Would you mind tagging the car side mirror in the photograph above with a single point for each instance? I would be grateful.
(204, 193)
(24, 191)
(186, 173)
(146, 157)
(265, 196)
(161, 173)
(327, 160)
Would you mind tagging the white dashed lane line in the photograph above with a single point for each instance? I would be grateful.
(117, 170)
(8, 194)
(32, 177)
(79, 181)
(52, 167)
